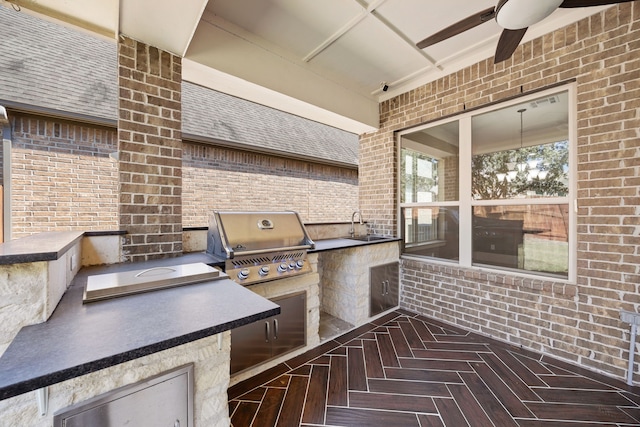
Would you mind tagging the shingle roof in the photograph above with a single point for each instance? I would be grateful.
(57, 69)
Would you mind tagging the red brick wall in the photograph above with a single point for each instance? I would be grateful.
(578, 322)
(150, 150)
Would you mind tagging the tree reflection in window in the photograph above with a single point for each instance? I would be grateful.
(536, 171)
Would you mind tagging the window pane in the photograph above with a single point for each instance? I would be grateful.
(429, 165)
(522, 151)
(526, 237)
(431, 231)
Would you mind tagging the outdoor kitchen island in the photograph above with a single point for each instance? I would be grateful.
(84, 350)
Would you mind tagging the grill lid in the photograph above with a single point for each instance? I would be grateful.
(249, 233)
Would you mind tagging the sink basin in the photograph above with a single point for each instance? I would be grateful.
(369, 238)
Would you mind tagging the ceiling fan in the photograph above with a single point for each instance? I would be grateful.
(514, 16)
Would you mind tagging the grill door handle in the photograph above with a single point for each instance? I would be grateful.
(266, 331)
(275, 329)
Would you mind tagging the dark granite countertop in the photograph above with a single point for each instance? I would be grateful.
(38, 247)
(344, 243)
(82, 338)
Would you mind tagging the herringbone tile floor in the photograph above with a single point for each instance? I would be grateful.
(405, 370)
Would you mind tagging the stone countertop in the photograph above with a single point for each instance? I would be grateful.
(82, 338)
(38, 247)
(345, 242)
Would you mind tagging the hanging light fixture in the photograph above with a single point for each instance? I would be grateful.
(522, 164)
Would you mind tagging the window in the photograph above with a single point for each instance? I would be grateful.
(512, 165)
(429, 181)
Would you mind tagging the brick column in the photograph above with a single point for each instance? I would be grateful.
(149, 150)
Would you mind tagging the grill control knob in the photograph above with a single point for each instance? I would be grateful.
(283, 267)
(299, 264)
(292, 265)
(264, 270)
(243, 274)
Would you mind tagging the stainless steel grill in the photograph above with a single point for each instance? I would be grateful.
(259, 246)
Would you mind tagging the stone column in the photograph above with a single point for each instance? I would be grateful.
(149, 150)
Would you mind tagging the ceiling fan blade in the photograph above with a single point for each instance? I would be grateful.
(509, 41)
(587, 3)
(458, 27)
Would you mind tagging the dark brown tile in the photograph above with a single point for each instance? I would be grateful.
(423, 375)
(423, 332)
(430, 420)
(387, 352)
(340, 351)
(393, 385)
(392, 402)
(417, 388)
(528, 377)
(593, 413)
(269, 408)
(510, 401)
(356, 374)
(557, 423)
(413, 339)
(443, 365)
(293, 402)
(258, 380)
(386, 318)
(447, 355)
(589, 397)
(518, 386)
(400, 343)
(254, 395)
(488, 402)
(533, 365)
(322, 360)
(302, 370)
(372, 359)
(450, 413)
(244, 414)
(473, 412)
(355, 333)
(573, 382)
(369, 418)
(312, 354)
(457, 346)
(337, 394)
(316, 398)
(282, 381)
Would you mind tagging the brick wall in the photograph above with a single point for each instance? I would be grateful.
(224, 179)
(150, 150)
(578, 322)
(62, 177)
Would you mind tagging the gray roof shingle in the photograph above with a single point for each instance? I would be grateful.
(53, 68)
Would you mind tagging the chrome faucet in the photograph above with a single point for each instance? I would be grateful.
(352, 231)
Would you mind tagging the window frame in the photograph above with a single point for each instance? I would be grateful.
(466, 202)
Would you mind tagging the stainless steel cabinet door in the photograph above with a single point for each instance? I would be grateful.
(384, 284)
(258, 342)
(290, 326)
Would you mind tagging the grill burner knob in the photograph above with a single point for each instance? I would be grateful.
(283, 267)
(299, 264)
(243, 274)
(292, 265)
(264, 270)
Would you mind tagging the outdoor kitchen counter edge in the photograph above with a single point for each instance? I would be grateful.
(344, 243)
(82, 338)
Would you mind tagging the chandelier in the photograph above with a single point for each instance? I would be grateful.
(527, 168)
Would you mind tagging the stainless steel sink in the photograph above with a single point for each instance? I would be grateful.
(368, 238)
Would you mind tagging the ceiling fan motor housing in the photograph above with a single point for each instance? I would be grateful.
(519, 14)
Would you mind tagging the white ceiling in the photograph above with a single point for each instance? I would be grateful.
(322, 59)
